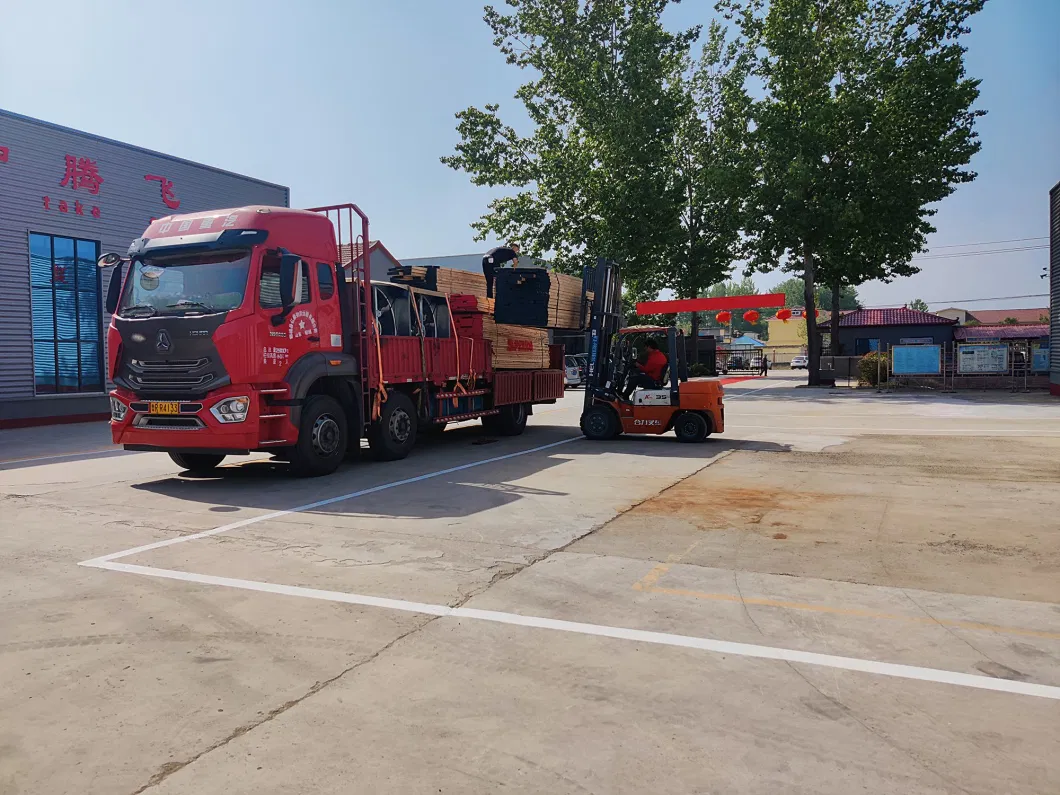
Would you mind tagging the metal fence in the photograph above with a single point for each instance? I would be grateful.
(1015, 365)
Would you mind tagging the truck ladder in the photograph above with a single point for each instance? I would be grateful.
(351, 237)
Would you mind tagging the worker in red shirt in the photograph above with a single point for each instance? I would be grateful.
(649, 373)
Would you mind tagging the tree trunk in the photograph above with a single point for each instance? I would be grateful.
(695, 338)
(813, 340)
(837, 289)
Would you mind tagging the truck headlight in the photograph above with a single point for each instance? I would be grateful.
(231, 409)
(117, 409)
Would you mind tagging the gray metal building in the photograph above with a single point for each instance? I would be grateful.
(65, 197)
(1054, 290)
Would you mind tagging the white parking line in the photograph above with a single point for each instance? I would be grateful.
(318, 504)
(621, 633)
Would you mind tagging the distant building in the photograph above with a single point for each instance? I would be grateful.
(987, 317)
(379, 258)
(791, 333)
(865, 330)
(65, 198)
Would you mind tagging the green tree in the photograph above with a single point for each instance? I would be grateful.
(1010, 321)
(711, 167)
(794, 296)
(606, 103)
(918, 304)
(864, 122)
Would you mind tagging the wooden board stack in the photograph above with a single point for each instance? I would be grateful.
(516, 347)
(444, 280)
(539, 298)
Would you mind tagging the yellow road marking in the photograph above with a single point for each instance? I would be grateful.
(842, 611)
(647, 582)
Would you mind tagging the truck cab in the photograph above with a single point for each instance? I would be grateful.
(209, 347)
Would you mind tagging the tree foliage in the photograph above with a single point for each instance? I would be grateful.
(634, 148)
(865, 121)
(919, 304)
(793, 294)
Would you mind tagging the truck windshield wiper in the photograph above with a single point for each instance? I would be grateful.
(185, 303)
(126, 312)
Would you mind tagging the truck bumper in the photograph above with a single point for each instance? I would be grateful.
(195, 428)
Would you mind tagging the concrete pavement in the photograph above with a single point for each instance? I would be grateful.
(255, 677)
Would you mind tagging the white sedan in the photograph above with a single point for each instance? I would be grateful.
(800, 362)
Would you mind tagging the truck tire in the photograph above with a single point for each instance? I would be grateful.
(322, 437)
(199, 463)
(600, 423)
(510, 422)
(691, 427)
(393, 435)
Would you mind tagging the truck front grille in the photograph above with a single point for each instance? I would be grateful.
(170, 375)
(159, 422)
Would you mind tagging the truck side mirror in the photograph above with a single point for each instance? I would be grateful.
(289, 280)
(114, 288)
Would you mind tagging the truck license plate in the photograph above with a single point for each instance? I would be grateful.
(163, 407)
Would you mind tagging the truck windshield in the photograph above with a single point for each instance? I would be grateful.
(195, 285)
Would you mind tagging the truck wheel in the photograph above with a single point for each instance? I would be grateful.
(322, 437)
(392, 436)
(691, 427)
(511, 421)
(600, 423)
(199, 463)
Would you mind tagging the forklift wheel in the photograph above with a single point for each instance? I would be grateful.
(691, 427)
(600, 423)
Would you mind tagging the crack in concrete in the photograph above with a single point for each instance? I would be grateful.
(169, 768)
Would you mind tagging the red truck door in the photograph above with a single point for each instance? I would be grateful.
(299, 333)
(329, 315)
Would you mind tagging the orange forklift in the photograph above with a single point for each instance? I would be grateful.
(692, 409)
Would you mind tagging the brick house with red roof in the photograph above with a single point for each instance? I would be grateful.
(865, 330)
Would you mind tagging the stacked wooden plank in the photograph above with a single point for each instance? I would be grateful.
(516, 347)
(444, 280)
(471, 303)
(539, 298)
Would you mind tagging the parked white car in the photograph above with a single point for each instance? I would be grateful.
(800, 362)
(573, 371)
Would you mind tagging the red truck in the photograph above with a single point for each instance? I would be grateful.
(244, 330)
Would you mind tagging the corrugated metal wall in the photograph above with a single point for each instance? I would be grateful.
(1054, 287)
(32, 166)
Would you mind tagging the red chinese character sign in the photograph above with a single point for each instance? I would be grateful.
(168, 197)
(82, 174)
(4, 154)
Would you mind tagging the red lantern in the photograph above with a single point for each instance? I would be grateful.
(784, 314)
(817, 313)
(724, 317)
(751, 316)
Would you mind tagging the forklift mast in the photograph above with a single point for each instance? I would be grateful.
(605, 280)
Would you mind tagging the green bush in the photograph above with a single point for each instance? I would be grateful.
(699, 369)
(871, 365)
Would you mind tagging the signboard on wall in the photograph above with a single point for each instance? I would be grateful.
(916, 359)
(916, 340)
(982, 358)
(1040, 358)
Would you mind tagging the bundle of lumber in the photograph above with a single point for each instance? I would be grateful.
(471, 303)
(536, 297)
(516, 347)
(443, 280)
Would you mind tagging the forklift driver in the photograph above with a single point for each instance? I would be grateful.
(650, 372)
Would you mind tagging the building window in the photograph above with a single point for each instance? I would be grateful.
(67, 333)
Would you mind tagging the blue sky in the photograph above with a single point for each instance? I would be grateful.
(354, 100)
